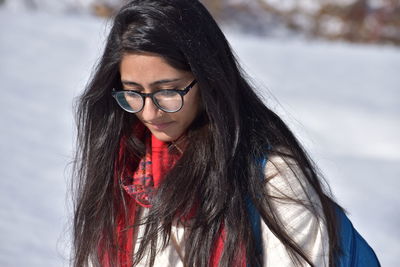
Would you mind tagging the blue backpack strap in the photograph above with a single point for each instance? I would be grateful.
(355, 250)
(255, 218)
(255, 221)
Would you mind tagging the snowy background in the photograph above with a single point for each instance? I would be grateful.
(342, 100)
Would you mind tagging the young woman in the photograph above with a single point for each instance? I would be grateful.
(180, 163)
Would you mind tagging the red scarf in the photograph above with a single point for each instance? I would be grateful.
(152, 168)
(141, 186)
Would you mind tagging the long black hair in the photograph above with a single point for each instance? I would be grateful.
(221, 165)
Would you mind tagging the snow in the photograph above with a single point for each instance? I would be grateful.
(342, 100)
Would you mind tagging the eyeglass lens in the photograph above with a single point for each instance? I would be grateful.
(168, 101)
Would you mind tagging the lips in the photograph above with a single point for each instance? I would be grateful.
(160, 126)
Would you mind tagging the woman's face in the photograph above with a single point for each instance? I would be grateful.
(148, 73)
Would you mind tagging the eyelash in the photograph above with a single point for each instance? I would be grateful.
(139, 90)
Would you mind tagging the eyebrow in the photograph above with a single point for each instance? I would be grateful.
(151, 84)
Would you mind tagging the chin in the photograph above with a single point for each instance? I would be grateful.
(162, 136)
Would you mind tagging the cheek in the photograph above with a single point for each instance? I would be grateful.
(138, 116)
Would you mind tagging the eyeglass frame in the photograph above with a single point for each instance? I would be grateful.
(181, 92)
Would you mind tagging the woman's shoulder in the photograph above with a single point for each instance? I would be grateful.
(284, 177)
(298, 209)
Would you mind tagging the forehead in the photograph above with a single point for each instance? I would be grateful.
(146, 68)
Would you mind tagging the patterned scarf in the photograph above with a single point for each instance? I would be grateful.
(141, 185)
(156, 163)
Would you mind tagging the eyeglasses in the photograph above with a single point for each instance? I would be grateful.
(168, 100)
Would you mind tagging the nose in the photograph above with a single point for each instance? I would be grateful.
(150, 110)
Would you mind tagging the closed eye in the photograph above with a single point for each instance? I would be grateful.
(167, 92)
(168, 89)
